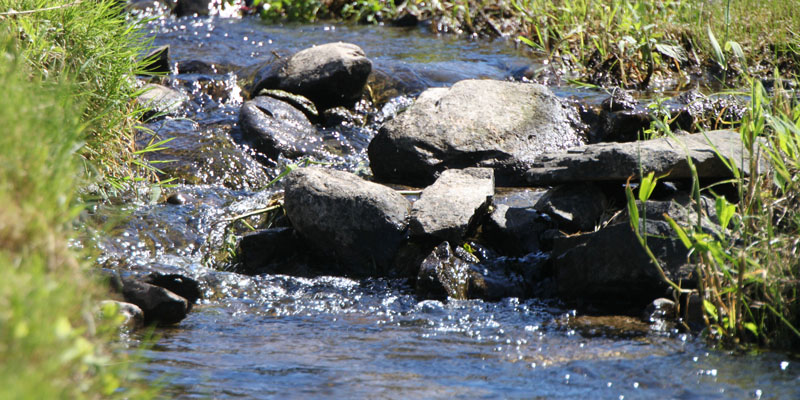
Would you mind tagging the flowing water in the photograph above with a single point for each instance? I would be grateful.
(287, 337)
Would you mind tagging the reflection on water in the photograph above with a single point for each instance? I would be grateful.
(284, 337)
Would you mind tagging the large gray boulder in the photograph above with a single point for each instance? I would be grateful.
(357, 223)
(330, 75)
(275, 128)
(453, 204)
(618, 161)
(482, 123)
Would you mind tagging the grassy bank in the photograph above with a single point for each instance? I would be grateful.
(629, 43)
(65, 111)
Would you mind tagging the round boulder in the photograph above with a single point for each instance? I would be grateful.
(330, 75)
(481, 123)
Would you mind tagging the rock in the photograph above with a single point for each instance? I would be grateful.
(161, 100)
(575, 207)
(612, 326)
(134, 316)
(177, 199)
(660, 313)
(506, 128)
(157, 60)
(357, 223)
(609, 266)
(618, 161)
(515, 231)
(619, 100)
(295, 100)
(203, 68)
(625, 125)
(184, 8)
(330, 75)
(158, 304)
(276, 128)
(453, 205)
(452, 272)
(200, 156)
(273, 251)
(183, 286)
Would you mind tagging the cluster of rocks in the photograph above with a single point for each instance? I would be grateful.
(575, 242)
(452, 238)
(153, 299)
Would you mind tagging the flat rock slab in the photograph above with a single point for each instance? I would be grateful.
(330, 75)
(455, 202)
(618, 161)
(475, 123)
(357, 223)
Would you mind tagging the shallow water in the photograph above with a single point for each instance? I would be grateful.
(285, 337)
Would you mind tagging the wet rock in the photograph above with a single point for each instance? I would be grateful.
(177, 199)
(505, 128)
(610, 267)
(515, 231)
(183, 286)
(158, 304)
(618, 161)
(453, 205)
(200, 156)
(612, 326)
(157, 60)
(661, 310)
(295, 100)
(276, 128)
(626, 125)
(452, 272)
(134, 316)
(185, 8)
(161, 100)
(619, 100)
(202, 67)
(330, 75)
(357, 223)
(575, 207)
(274, 251)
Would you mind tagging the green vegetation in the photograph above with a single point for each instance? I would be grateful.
(66, 74)
(629, 43)
(748, 270)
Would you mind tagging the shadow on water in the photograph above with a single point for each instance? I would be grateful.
(274, 336)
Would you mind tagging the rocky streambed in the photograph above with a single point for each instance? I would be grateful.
(440, 228)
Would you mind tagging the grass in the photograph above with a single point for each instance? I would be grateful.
(628, 43)
(66, 113)
(748, 270)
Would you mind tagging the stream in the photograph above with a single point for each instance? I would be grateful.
(276, 336)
